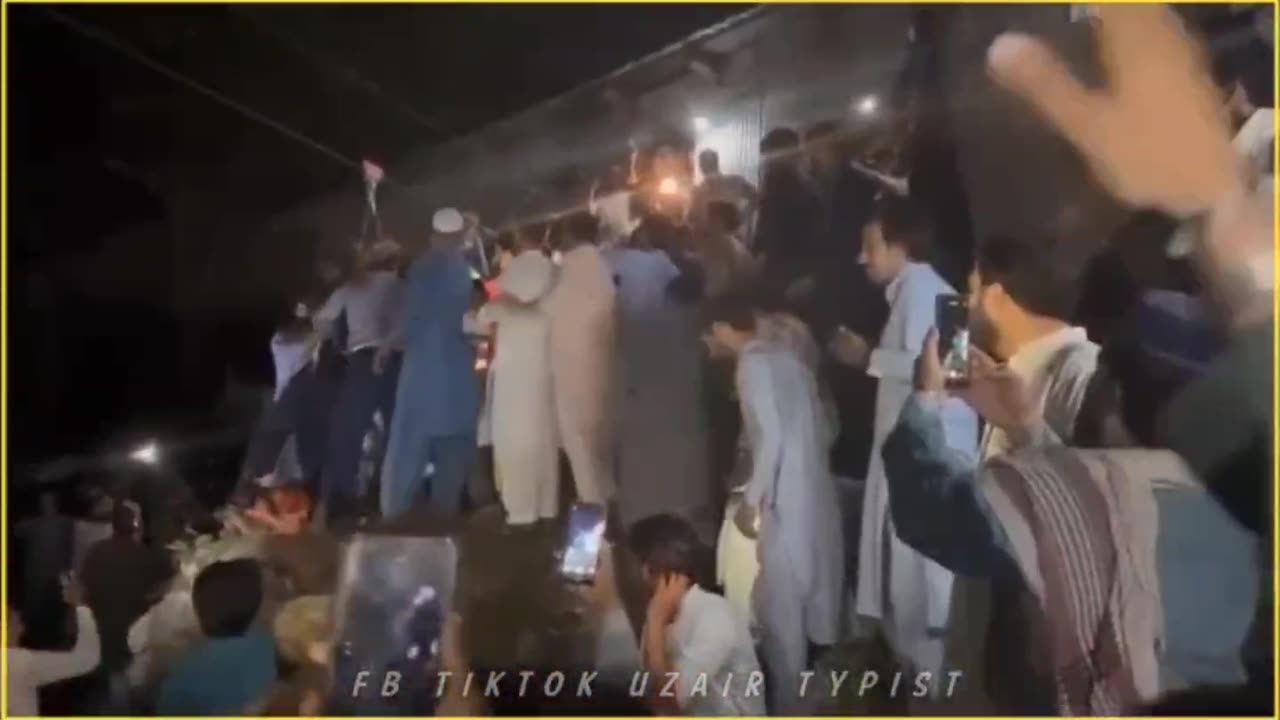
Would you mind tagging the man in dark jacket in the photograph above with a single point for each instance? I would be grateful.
(122, 578)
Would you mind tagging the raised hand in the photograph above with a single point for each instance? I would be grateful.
(1156, 136)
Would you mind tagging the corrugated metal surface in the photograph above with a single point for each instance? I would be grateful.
(786, 65)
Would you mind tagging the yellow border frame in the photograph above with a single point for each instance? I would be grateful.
(4, 274)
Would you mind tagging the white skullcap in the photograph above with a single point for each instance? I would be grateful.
(447, 221)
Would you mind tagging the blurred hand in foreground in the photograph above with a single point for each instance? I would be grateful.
(1156, 135)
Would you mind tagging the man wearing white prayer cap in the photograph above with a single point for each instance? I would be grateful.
(438, 398)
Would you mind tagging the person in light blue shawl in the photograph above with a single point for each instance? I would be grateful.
(438, 397)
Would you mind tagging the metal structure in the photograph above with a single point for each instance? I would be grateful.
(723, 87)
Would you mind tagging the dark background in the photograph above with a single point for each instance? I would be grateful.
(101, 143)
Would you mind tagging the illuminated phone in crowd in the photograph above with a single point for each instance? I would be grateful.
(952, 321)
(584, 539)
(394, 595)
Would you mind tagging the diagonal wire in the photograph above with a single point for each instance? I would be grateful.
(340, 70)
(110, 41)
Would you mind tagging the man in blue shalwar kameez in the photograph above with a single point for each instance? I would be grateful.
(438, 398)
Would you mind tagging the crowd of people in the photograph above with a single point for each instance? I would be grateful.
(1082, 528)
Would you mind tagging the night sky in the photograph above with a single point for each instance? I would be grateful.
(99, 142)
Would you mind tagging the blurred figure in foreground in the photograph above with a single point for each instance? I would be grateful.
(1176, 157)
(1121, 528)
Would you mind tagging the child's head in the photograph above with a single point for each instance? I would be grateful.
(227, 596)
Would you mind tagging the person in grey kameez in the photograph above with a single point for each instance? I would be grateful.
(662, 455)
(799, 595)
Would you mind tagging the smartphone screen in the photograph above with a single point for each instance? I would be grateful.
(952, 321)
(394, 594)
(582, 546)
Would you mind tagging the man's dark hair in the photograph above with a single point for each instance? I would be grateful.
(905, 223)
(582, 226)
(779, 140)
(506, 240)
(124, 521)
(726, 214)
(1146, 362)
(736, 309)
(227, 596)
(1249, 63)
(666, 544)
(709, 160)
(1040, 276)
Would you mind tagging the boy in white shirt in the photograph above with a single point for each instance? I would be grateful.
(698, 652)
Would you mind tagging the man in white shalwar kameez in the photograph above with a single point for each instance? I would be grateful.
(523, 420)
(799, 594)
(580, 312)
(909, 594)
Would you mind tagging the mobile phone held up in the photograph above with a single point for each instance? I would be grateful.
(583, 542)
(952, 321)
(394, 594)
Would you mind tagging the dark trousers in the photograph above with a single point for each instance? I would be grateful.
(304, 411)
(358, 429)
(265, 445)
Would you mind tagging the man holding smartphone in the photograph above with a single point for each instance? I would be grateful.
(895, 249)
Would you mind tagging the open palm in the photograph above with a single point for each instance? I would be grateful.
(1156, 135)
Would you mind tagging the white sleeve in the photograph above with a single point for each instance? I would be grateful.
(47, 667)
(705, 653)
(332, 308)
(140, 633)
(918, 318)
(1065, 394)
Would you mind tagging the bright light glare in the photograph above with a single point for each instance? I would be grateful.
(668, 186)
(868, 105)
(148, 454)
(701, 124)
